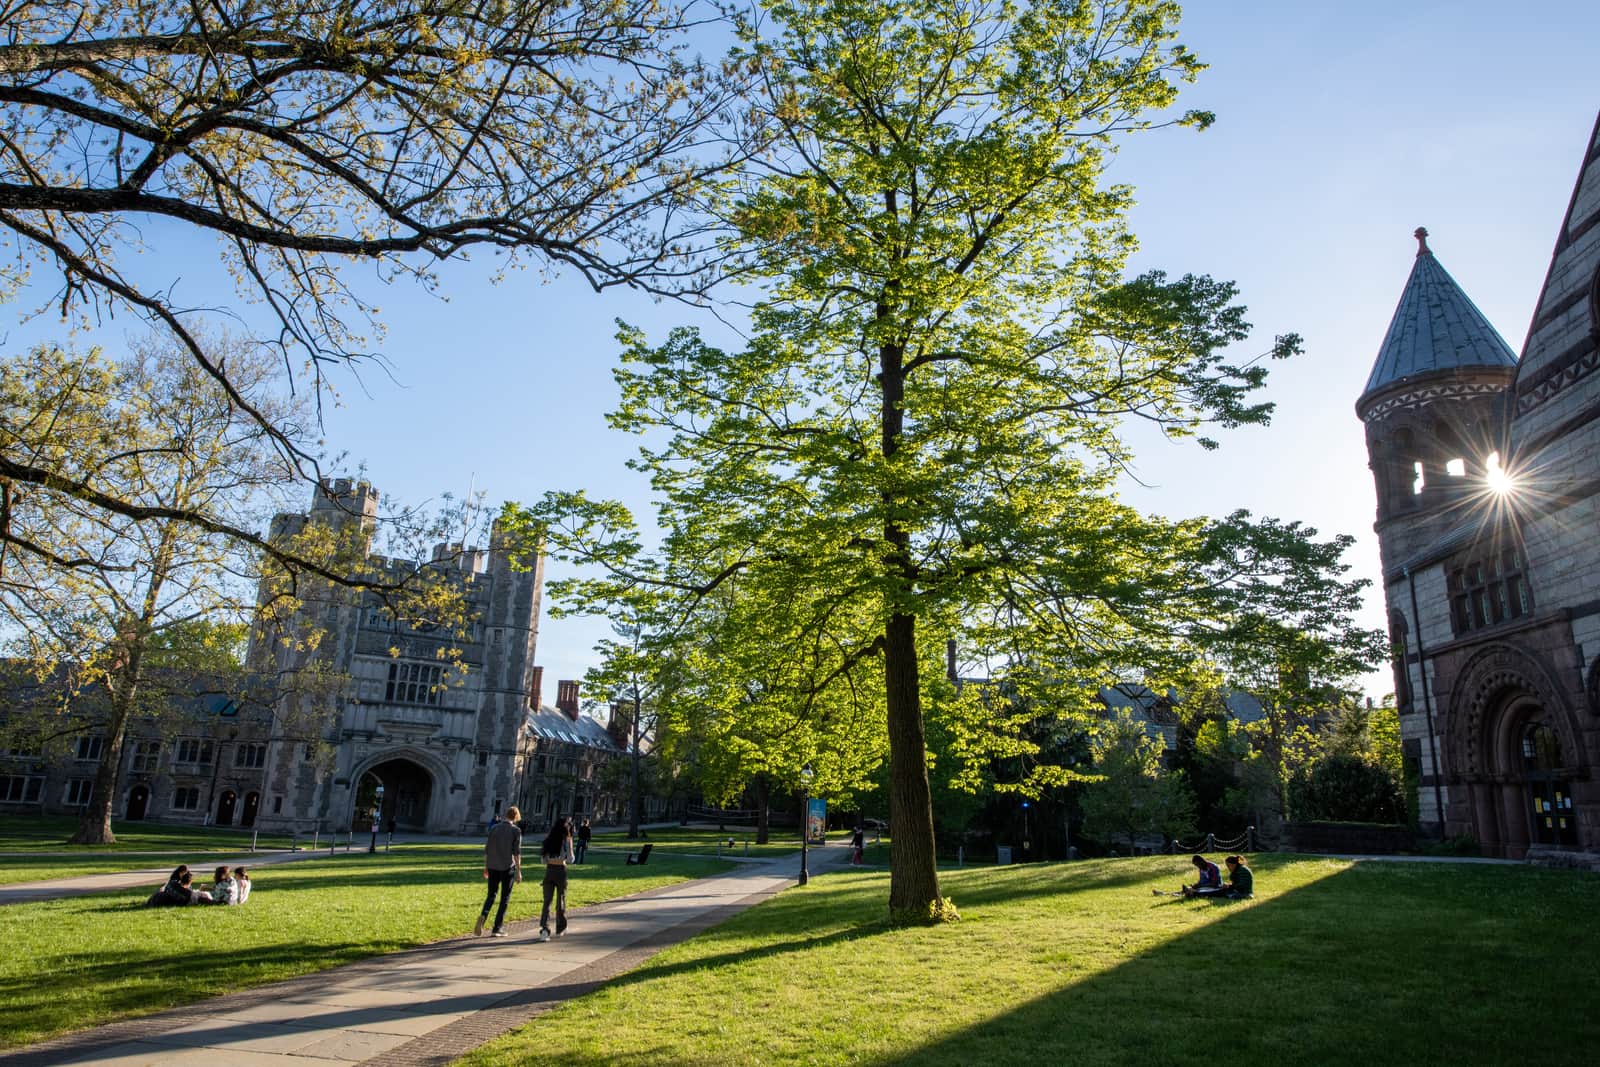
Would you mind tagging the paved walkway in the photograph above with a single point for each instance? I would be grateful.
(429, 1005)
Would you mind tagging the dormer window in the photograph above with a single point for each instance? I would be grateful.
(1488, 590)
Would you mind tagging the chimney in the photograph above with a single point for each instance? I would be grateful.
(536, 689)
(567, 698)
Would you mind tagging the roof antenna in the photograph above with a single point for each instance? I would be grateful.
(1421, 234)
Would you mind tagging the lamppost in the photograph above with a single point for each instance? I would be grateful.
(1026, 843)
(805, 821)
(377, 811)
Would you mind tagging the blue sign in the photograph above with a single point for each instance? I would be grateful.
(816, 820)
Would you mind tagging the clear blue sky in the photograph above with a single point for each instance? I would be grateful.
(1340, 129)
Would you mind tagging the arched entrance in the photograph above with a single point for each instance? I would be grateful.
(1513, 754)
(225, 807)
(252, 802)
(407, 793)
(138, 802)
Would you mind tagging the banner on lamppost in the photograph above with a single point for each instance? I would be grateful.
(817, 820)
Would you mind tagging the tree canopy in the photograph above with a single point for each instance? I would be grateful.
(308, 136)
(925, 428)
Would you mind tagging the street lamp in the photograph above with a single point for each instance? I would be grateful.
(1026, 843)
(377, 811)
(805, 821)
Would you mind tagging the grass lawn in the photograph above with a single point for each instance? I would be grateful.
(49, 833)
(14, 871)
(1333, 962)
(703, 841)
(87, 960)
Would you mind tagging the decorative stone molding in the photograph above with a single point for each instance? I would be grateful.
(1423, 396)
(1489, 683)
(1571, 374)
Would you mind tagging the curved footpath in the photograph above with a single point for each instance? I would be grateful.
(426, 1005)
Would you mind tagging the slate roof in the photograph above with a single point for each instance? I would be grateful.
(553, 725)
(1435, 328)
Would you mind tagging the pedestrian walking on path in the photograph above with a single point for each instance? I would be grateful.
(556, 853)
(584, 834)
(502, 866)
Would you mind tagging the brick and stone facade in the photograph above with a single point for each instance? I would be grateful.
(1488, 481)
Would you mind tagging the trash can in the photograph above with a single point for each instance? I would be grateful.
(1002, 854)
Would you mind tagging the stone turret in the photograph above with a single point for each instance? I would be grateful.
(1434, 409)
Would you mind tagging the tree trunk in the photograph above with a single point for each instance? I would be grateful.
(763, 808)
(95, 826)
(914, 873)
(635, 801)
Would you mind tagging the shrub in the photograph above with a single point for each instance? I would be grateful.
(1347, 788)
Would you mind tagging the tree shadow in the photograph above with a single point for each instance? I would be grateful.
(1350, 968)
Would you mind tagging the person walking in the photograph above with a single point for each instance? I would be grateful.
(858, 845)
(556, 853)
(584, 834)
(502, 866)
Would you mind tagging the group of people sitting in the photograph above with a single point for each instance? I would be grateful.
(227, 887)
(1241, 883)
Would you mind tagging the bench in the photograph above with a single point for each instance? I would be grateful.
(640, 858)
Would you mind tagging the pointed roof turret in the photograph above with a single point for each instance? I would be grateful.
(1435, 328)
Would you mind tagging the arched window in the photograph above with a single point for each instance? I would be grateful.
(1397, 661)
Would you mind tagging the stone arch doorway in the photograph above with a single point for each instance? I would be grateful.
(225, 806)
(1514, 755)
(252, 804)
(408, 789)
(138, 802)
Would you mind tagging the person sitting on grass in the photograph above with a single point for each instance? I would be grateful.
(1210, 882)
(177, 892)
(241, 885)
(1241, 883)
(223, 889)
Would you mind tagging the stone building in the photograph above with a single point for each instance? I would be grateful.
(567, 760)
(440, 734)
(201, 762)
(1487, 470)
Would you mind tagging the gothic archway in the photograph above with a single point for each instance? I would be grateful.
(409, 789)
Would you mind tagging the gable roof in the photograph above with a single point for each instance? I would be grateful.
(1435, 328)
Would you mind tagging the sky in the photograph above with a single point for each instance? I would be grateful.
(1340, 129)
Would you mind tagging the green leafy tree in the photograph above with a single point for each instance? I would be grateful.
(760, 685)
(109, 612)
(627, 677)
(926, 425)
(1134, 795)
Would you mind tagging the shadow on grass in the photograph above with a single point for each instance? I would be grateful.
(1364, 965)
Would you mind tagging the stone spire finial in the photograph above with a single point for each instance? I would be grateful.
(1421, 234)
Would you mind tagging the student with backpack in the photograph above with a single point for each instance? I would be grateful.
(556, 853)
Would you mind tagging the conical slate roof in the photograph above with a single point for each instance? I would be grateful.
(1435, 328)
